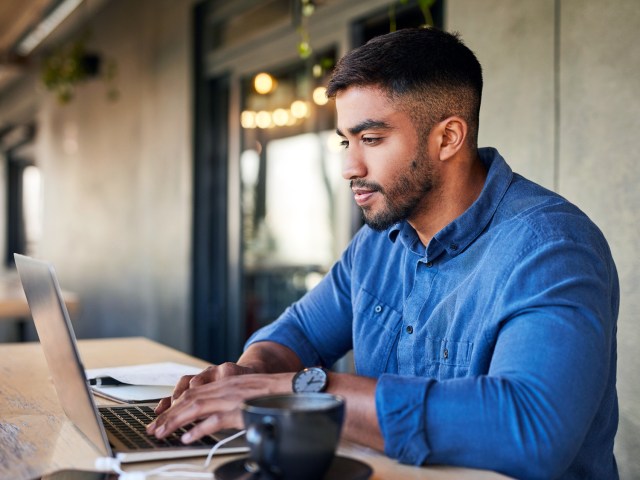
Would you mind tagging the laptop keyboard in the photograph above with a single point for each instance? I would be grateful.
(128, 424)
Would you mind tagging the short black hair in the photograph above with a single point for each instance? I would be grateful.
(432, 74)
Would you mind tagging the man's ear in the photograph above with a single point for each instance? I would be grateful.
(453, 133)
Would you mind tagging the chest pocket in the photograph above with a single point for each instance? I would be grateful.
(446, 358)
(375, 334)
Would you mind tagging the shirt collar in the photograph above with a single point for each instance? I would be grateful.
(461, 232)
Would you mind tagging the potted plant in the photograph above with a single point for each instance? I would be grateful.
(73, 64)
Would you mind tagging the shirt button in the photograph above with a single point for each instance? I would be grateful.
(409, 329)
(378, 308)
(429, 264)
(445, 354)
(453, 246)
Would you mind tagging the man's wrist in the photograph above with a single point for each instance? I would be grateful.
(310, 379)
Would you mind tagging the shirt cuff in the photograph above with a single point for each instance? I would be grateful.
(401, 410)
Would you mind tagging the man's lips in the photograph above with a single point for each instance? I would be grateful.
(362, 195)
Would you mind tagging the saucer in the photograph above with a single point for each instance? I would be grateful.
(342, 468)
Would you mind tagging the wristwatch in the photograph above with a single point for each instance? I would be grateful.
(312, 379)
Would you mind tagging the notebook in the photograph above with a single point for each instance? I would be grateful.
(116, 431)
(145, 383)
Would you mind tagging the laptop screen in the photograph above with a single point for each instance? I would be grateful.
(60, 349)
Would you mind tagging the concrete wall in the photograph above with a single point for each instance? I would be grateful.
(117, 178)
(561, 105)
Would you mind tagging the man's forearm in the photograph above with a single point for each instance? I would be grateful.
(361, 423)
(270, 357)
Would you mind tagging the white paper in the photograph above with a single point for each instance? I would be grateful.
(134, 393)
(157, 374)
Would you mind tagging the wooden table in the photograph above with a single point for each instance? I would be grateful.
(36, 438)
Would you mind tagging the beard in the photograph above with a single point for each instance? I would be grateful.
(403, 196)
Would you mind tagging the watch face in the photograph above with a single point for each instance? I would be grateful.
(310, 380)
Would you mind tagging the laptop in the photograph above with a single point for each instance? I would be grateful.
(116, 431)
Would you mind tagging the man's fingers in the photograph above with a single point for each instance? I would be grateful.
(182, 385)
(163, 405)
(208, 375)
(189, 408)
(212, 424)
(185, 383)
(217, 403)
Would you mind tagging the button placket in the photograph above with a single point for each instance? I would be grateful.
(410, 333)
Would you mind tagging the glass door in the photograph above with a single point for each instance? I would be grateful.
(290, 166)
(271, 212)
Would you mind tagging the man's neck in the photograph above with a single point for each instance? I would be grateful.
(459, 186)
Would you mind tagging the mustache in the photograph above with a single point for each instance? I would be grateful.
(360, 183)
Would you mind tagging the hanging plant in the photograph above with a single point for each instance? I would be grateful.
(423, 5)
(72, 64)
(308, 7)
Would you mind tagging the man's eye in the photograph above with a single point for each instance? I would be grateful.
(370, 140)
(344, 143)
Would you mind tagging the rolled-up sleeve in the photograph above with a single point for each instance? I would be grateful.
(400, 406)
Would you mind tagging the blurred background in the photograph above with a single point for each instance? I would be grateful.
(176, 159)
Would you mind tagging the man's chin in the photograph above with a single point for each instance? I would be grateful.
(379, 223)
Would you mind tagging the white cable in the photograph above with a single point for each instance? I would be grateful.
(132, 476)
(109, 463)
(219, 444)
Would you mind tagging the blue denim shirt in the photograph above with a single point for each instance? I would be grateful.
(494, 346)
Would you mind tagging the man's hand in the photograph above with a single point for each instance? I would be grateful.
(208, 375)
(214, 396)
(216, 405)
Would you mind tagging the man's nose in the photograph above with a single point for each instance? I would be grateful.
(353, 166)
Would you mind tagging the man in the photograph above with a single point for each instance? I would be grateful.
(480, 307)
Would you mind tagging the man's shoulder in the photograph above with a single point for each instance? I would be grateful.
(542, 214)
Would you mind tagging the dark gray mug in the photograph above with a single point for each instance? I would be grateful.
(292, 436)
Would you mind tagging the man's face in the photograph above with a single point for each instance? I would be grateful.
(387, 162)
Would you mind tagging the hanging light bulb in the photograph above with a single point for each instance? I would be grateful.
(280, 117)
(248, 119)
(263, 119)
(264, 83)
(320, 96)
(299, 109)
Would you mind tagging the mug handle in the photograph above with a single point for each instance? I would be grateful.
(261, 437)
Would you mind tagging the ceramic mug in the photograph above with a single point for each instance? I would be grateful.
(292, 436)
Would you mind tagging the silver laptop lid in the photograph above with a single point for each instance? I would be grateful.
(58, 342)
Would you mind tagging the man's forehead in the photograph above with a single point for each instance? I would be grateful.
(365, 108)
(362, 92)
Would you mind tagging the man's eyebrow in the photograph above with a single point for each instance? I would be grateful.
(366, 125)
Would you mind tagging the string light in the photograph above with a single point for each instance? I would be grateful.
(263, 119)
(299, 109)
(264, 83)
(280, 117)
(320, 96)
(248, 119)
